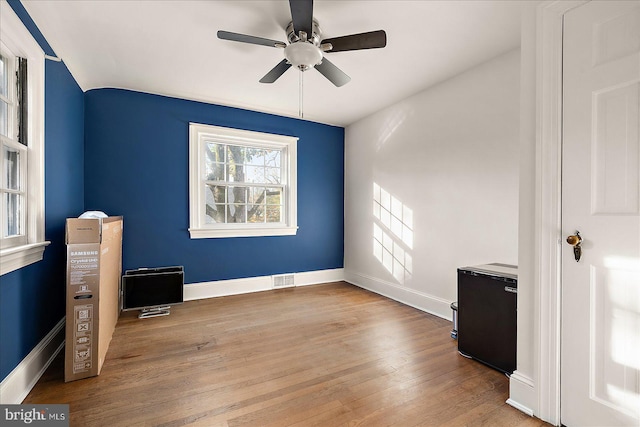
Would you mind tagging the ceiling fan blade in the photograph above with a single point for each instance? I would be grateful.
(333, 73)
(243, 38)
(370, 40)
(276, 72)
(302, 16)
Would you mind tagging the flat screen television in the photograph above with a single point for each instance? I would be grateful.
(152, 290)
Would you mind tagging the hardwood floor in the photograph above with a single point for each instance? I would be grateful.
(324, 355)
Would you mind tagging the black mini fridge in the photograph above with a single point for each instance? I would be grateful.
(487, 301)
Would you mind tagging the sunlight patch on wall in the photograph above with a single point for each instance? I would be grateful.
(395, 216)
(391, 125)
(392, 234)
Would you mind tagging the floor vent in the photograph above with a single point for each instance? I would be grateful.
(283, 281)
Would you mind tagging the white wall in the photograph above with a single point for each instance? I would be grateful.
(447, 156)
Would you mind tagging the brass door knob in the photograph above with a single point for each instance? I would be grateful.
(575, 240)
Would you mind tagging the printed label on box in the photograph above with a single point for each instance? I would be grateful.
(83, 320)
(83, 264)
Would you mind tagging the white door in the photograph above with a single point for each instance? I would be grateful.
(600, 362)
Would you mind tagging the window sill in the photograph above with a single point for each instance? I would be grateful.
(212, 233)
(15, 258)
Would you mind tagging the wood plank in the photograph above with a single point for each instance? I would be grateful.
(330, 354)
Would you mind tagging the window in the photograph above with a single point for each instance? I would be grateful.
(14, 154)
(241, 183)
(21, 144)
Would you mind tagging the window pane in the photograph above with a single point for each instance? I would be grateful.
(13, 204)
(235, 154)
(215, 198)
(273, 175)
(214, 161)
(274, 213)
(235, 173)
(237, 195)
(274, 196)
(255, 174)
(237, 213)
(257, 195)
(214, 172)
(255, 214)
(255, 210)
(4, 118)
(215, 152)
(11, 168)
(255, 156)
(4, 77)
(22, 96)
(216, 194)
(272, 158)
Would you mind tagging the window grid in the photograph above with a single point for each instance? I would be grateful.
(243, 184)
(13, 158)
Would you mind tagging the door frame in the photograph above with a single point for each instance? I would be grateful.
(548, 206)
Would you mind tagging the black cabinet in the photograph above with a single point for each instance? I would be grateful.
(487, 298)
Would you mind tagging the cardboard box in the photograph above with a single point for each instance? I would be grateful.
(94, 268)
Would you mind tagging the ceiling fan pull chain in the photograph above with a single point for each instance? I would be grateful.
(300, 97)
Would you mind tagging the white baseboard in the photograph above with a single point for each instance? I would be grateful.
(220, 288)
(520, 407)
(425, 302)
(317, 277)
(17, 385)
(522, 393)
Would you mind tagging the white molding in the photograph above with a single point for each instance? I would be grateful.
(216, 233)
(12, 259)
(17, 385)
(317, 277)
(199, 135)
(518, 406)
(548, 211)
(220, 288)
(547, 216)
(522, 393)
(422, 301)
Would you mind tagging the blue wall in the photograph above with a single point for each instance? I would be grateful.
(136, 165)
(32, 299)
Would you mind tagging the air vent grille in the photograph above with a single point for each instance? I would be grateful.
(283, 281)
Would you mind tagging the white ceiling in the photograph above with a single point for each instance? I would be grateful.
(170, 48)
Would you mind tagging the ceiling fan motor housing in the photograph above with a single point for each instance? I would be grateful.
(315, 37)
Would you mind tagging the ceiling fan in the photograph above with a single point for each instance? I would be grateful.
(306, 48)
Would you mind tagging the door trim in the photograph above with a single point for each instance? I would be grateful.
(548, 214)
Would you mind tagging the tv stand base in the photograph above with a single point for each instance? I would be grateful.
(154, 312)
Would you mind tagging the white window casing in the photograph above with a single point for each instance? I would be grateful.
(16, 40)
(202, 138)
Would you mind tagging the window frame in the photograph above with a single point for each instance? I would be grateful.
(199, 135)
(11, 142)
(17, 41)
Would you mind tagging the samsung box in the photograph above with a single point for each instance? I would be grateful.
(94, 267)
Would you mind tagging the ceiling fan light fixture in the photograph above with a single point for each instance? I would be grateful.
(303, 55)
